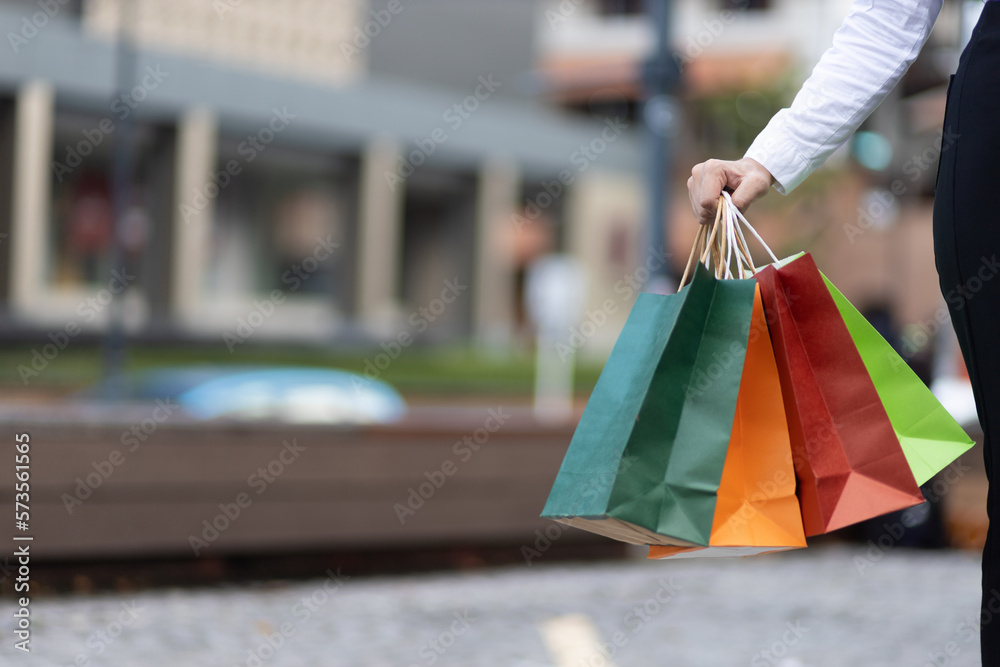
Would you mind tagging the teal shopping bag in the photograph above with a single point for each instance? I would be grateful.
(646, 459)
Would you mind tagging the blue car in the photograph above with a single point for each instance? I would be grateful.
(289, 394)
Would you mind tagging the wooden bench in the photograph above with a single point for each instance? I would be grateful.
(415, 484)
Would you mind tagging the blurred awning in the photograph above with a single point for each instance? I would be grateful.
(719, 73)
(581, 78)
(584, 77)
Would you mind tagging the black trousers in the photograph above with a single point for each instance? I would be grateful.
(966, 249)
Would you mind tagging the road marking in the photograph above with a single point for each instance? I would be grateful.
(574, 641)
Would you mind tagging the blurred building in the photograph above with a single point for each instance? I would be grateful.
(348, 167)
(351, 170)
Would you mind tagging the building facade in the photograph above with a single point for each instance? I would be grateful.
(328, 171)
(309, 168)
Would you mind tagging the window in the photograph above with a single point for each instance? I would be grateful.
(741, 5)
(276, 219)
(620, 7)
(82, 215)
(71, 8)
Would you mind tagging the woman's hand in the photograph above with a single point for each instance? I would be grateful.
(747, 179)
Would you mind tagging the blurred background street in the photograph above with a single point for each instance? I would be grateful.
(289, 287)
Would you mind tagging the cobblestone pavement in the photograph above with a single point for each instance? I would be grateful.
(827, 606)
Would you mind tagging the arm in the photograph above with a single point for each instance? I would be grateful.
(871, 51)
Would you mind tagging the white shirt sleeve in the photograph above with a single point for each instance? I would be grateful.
(871, 51)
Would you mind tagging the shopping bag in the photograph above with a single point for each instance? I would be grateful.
(645, 461)
(929, 435)
(848, 461)
(756, 510)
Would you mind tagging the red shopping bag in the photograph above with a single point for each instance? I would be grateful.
(848, 461)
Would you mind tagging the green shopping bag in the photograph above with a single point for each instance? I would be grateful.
(930, 437)
(646, 459)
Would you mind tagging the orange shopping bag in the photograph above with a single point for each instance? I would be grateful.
(756, 510)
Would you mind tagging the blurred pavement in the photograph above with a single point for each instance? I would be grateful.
(828, 606)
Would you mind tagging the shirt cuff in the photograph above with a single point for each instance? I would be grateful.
(779, 157)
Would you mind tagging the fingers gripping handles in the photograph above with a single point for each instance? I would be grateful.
(722, 246)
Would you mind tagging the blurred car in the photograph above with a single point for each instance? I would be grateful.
(288, 394)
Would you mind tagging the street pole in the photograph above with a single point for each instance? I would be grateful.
(113, 356)
(660, 117)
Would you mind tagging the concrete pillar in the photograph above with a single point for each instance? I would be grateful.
(599, 207)
(34, 125)
(380, 236)
(194, 210)
(498, 193)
